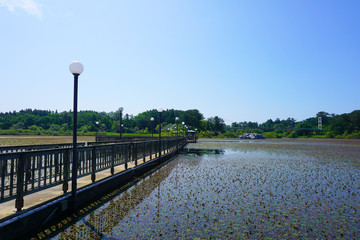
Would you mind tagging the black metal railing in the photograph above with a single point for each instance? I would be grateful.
(24, 148)
(23, 172)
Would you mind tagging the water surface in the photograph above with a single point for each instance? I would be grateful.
(288, 189)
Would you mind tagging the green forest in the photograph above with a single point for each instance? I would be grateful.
(44, 122)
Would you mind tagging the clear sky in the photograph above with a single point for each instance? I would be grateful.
(239, 60)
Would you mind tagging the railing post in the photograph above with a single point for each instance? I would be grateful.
(135, 153)
(156, 147)
(27, 173)
(158, 151)
(3, 172)
(144, 151)
(93, 164)
(151, 149)
(163, 146)
(66, 170)
(167, 145)
(12, 166)
(56, 166)
(126, 156)
(19, 202)
(112, 160)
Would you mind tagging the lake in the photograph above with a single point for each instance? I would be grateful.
(285, 188)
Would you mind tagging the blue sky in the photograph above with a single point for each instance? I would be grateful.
(240, 60)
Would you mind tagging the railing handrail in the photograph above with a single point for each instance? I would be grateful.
(24, 148)
(56, 150)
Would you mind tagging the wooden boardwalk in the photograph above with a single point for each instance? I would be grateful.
(8, 208)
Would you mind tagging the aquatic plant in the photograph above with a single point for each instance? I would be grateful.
(265, 189)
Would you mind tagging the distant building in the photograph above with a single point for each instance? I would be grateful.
(252, 136)
(191, 136)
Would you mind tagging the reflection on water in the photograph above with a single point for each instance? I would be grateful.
(249, 190)
(103, 220)
(201, 152)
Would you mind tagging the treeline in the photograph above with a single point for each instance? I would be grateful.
(43, 122)
(346, 125)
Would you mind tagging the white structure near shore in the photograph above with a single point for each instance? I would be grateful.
(252, 136)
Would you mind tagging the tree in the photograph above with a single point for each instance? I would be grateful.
(341, 124)
(192, 118)
(18, 125)
(355, 119)
(216, 124)
(54, 127)
(303, 129)
(267, 126)
(325, 117)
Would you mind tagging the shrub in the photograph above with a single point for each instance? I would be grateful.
(229, 135)
(270, 135)
(205, 134)
(293, 134)
(354, 135)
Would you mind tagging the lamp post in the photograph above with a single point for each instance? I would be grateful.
(196, 132)
(183, 123)
(152, 126)
(97, 128)
(76, 68)
(177, 133)
(159, 111)
(120, 110)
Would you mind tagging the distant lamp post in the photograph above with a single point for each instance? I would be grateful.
(183, 124)
(159, 111)
(97, 128)
(152, 126)
(196, 132)
(120, 111)
(177, 133)
(76, 68)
